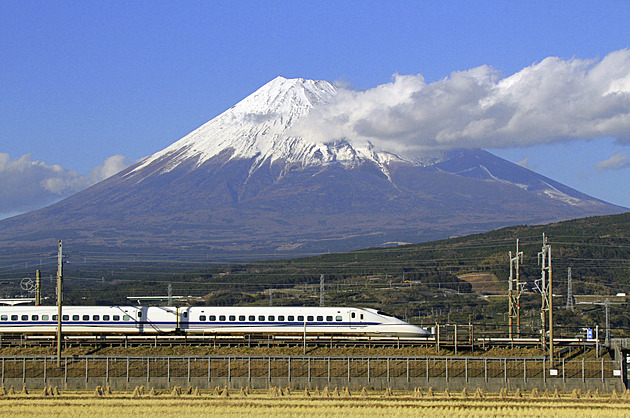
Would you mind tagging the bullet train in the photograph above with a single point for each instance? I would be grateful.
(100, 320)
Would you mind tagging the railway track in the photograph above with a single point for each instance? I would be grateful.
(273, 341)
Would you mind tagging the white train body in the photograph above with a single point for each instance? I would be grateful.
(204, 320)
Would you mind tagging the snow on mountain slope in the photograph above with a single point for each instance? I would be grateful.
(256, 128)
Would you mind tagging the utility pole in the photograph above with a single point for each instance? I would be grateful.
(514, 292)
(59, 300)
(570, 299)
(321, 290)
(546, 311)
(38, 288)
(607, 306)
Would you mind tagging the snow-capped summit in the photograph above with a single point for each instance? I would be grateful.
(242, 186)
(258, 128)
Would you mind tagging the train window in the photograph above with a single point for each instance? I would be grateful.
(24, 317)
(261, 318)
(291, 318)
(34, 317)
(271, 318)
(65, 317)
(212, 318)
(281, 318)
(309, 318)
(241, 317)
(232, 318)
(361, 317)
(126, 318)
(252, 318)
(75, 317)
(320, 318)
(301, 318)
(202, 317)
(329, 318)
(338, 318)
(116, 317)
(14, 317)
(139, 314)
(96, 318)
(4, 318)
(185, 314)
(353, 315)
(105, 317)
(221, 317)
(54, 317)
(86, 317)
(45, 317)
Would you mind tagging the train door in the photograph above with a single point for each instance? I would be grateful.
(142, 318)
(182, 319)
(353, 318)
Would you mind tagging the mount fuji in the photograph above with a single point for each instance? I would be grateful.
(245, 185)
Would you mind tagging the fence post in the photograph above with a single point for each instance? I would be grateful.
(368, 369)
(348, 369)
(2, 370)
(525, 370)
(127, 369)
(230, 370)
(309, 369)
(249, 369)
(148, 372)
(563, 378)
(407, 370)
(485, 369)
(209, 362)
(427, 370)
(583, 377)
(602, 369)
(106, 369)
(269, 371)
(24, 370)
(328, 369)
(446, 370)
(466, 368)
(168, 370)
(387, 369)
(65, 370)
(289, 371)
(188, 369)
(44, 370)
(505, 369)
(544, 370)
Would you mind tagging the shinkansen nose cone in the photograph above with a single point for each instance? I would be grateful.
(409, 330)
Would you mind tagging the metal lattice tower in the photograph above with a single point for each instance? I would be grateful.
(546, 291)
(514, 292)
(570, 298)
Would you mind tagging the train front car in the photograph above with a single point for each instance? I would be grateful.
(380, 323)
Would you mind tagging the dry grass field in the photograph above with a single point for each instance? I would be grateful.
(325, 402)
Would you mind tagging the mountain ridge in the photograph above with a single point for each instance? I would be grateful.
(241, 184)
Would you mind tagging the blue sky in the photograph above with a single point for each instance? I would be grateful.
(88, 87)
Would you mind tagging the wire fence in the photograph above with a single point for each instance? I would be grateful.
(305, 368)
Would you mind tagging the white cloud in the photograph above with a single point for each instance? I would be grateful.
(27, 185)
(616, 162)
(552, 101)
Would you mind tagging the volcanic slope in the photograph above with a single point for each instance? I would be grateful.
(241, 185)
